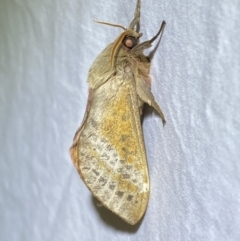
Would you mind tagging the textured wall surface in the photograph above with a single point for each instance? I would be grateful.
(46, 49)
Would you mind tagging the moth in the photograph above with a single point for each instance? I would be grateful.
(108, 149)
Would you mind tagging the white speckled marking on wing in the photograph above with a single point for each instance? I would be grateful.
(112, 157)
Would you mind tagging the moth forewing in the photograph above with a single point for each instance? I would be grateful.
(108, 149)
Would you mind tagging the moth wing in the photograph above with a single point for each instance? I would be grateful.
(109, 152)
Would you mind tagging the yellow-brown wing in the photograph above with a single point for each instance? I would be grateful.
(109, 152)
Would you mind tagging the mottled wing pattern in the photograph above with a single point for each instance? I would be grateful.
(111, 153)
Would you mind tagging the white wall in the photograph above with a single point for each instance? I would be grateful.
(46, 49)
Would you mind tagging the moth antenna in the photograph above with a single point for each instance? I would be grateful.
(136, 19)
(160, 31)
(110, 24)
(116, 46)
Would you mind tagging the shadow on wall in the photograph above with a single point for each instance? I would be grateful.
(113, 220)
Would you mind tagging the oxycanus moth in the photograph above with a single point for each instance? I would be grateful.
(108, 149)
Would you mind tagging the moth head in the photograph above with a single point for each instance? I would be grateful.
(130, 36)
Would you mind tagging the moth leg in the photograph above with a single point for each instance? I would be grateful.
(138, 49)
(136, 19)
(145, 94)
